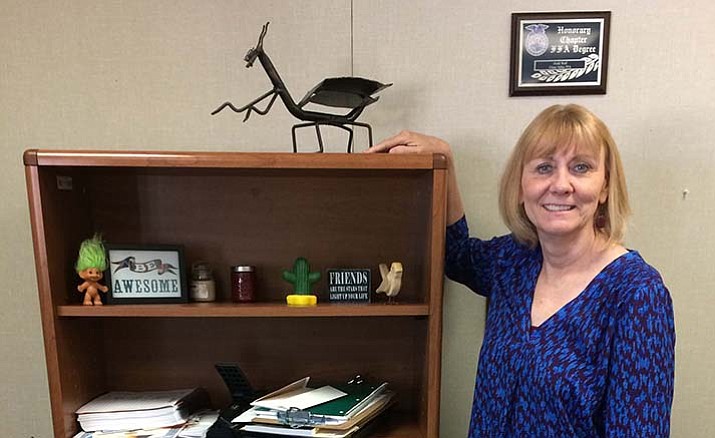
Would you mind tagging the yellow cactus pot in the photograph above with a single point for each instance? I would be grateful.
(302, 300)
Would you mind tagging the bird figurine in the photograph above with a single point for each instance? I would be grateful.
(391, 280)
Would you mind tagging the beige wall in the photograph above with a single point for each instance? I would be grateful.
(145, 75)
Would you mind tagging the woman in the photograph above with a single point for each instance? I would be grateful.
(580, 338)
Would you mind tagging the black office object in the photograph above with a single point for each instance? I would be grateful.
(238, 386)
(242, 394)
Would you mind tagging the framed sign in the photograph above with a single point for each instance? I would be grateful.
(559, 53)
(146, 274)
(349, 285)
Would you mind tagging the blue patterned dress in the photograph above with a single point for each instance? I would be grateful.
(602, 366)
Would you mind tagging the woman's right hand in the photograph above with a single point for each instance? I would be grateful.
(408, 142)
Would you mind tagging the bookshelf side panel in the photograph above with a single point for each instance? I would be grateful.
(73, 351)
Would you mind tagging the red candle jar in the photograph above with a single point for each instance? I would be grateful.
(243, 284)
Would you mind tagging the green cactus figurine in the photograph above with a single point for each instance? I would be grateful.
(301, 278)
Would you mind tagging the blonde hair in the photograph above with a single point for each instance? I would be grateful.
(558, 128)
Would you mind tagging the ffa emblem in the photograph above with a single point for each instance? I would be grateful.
(536, 41)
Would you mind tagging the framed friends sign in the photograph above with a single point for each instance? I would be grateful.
(146, 274)
(559, 53)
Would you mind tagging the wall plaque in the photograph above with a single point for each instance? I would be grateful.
(559, 53)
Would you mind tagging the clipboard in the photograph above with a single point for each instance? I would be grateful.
(381, 403)
(334, 412)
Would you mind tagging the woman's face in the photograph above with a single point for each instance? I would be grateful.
(561, 192)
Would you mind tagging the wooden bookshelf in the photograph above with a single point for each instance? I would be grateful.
(337, 210)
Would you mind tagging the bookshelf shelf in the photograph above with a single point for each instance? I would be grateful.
(336, 210)
(249, 310)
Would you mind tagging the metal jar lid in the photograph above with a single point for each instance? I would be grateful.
(243, 268)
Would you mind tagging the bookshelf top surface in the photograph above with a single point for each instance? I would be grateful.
(249, 160)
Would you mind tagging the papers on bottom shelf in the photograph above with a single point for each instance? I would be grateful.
(199, 424)
(196, 427)
(336, 418)
(289, 431)
(126, 411)
(298, 395)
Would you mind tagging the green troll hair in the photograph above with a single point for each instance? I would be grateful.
(91, 255)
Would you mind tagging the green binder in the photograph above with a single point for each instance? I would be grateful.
(359, 395)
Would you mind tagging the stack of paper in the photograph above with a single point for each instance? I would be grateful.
(327, 412)
(120, 411)
(196, 427)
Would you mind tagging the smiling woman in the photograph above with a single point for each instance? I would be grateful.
(580, 337)
(559, 130)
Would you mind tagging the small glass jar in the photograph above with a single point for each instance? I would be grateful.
(243, 284)
(203, 286)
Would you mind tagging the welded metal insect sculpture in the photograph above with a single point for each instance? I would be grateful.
(353, 93)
